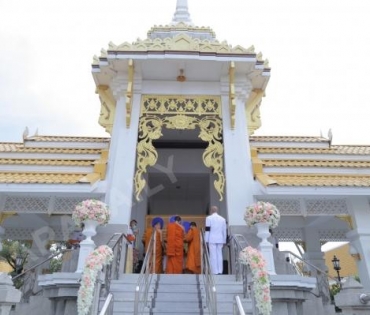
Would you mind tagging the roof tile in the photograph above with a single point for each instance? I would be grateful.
(40, 178)
(327, 180)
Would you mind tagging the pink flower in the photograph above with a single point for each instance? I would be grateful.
(253, 257)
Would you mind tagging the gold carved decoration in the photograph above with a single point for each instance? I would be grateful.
(232, 100)
(150, 128)
(179, 42)
(253, 110)
(130, 87)
(346, 218)
(108, 107)
(182, 113)
(5, 215)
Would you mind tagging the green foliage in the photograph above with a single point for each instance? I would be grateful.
(56, 264)
(335, 289)
(57, 261)
(11, 251)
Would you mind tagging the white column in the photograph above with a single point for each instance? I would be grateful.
(237, 159)
(313, 253)
(359, 237)
(122, 155)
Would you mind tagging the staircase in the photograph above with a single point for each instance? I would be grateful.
(181, 294)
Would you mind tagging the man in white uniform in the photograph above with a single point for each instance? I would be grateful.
(215, 237)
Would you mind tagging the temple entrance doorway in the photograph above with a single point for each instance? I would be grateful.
(183, 194)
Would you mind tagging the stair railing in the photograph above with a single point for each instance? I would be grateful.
(111, 271)
(237, 242)
(29, 276)
(145, 278)
(238, 307)
(322, 278)
(209, 282)
(107, 308)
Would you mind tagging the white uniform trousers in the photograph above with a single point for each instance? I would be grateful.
(215, 257)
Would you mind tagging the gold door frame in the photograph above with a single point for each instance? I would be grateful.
(180, 112)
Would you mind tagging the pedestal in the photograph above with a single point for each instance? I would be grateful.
(265, 246)
(87, 245)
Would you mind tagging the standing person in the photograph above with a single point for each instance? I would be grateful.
(156, 232)
(193, 261)
(135, 231)
(215, 237)
(175, 246)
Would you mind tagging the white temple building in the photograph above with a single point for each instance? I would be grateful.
(181, 108)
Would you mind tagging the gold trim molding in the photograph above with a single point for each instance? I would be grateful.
(232, 101)
(180, 42)
(178, 112)
(130, 88)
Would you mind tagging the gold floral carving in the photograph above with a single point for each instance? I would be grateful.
(180, 42)
(182, 113)
(150, 128)
(130, 86)
(189, 105)
(211, 132)
(253, 110)
(108, 107)
(232, 100)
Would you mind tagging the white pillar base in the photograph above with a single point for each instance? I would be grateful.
(265, 246)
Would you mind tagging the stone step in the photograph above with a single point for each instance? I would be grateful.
(181, 294)
(175, 296)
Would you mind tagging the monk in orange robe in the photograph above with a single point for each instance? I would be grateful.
(157, 226)
(193, 262)
(175, 246)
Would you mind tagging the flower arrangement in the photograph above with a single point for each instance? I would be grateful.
(101, 256)
(262, 212)
(91, 209)
(254, 259)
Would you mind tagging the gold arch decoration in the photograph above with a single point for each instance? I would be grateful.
(174, 112)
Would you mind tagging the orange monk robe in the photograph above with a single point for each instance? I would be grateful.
(193, 261)
(175, 248)
(158, 248)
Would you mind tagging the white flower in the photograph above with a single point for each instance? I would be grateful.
(101, 256)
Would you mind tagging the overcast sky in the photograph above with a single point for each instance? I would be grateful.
(318, 50)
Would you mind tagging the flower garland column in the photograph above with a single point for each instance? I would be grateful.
(91, 213)
(264, 215)
(261, 282)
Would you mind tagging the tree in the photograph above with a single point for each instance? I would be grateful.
(15, 253)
